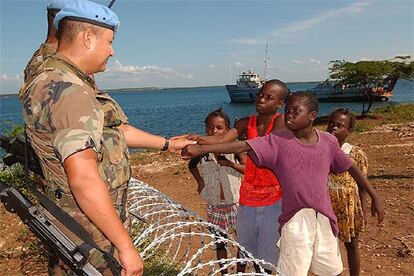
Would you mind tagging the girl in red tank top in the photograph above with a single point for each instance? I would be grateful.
(260, 186)
(259, 205)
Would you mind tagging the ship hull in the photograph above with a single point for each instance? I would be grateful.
(241, 95)
(349, 98)
(349, 95)
(247, 95)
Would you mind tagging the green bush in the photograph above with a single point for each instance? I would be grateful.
(15, 130)
(14, 177)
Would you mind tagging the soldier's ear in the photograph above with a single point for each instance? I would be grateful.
(88, 38)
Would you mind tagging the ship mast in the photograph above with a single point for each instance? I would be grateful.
(230, 76)
(266, 59)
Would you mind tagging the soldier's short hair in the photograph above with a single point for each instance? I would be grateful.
(69, 29)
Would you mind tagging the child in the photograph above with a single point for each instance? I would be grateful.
(219, 182)
(343, 189)
(260, 191)
(302, 158)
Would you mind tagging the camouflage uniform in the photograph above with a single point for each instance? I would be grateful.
(37, 60)
(64, 114)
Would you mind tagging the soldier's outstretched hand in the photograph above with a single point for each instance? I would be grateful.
(179, 142)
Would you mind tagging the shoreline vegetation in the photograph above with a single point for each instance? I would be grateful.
(385, 134)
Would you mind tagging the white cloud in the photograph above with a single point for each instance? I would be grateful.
(247, 41)
(187, 76)
(137, 72)
(311, 60)
(136, 69)
(238, 64)
(296, 27)
(6, 77)
(314, 61)
(212, 66)
(10, 83)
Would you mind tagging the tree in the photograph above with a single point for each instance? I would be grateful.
(372, 78)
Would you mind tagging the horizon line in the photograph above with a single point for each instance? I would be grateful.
(164, 88)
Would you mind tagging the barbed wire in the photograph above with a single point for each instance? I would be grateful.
(170, 233)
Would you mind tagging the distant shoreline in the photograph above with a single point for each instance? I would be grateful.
(150, 88)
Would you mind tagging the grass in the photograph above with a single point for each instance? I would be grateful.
(391, 114)
(154, 265)
(397, 113)
(361, 126)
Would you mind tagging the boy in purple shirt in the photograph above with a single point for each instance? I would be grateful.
(302, 157)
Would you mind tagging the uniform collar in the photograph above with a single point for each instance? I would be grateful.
(73, 67)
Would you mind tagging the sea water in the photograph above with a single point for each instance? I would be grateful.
(174, 111)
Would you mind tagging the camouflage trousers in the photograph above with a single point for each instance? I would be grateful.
(68, 204)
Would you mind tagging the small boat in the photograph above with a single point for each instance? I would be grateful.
(329, 91)
(246, 87)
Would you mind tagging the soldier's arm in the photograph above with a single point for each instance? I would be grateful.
(91, 193)
(138, 138)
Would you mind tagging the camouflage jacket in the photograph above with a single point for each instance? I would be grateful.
(64, 114)
(36, 61)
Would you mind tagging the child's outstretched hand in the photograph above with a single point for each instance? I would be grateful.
(190, 151)
(378, 209)
(376, 205)
(179, 142)
(201, 139)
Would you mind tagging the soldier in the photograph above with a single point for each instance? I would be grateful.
(49, 46)
(82, 135)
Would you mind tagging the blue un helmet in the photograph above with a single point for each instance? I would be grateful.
(89, 12)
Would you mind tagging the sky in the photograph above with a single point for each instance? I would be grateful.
(205, 43)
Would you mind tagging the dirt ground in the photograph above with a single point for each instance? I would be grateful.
(385, 250)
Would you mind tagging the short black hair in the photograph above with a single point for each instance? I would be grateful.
(281, 84)
(346, 112)
(218, 113)
(309, 98)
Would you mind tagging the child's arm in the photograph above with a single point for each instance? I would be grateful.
(231, 135)
(192, 167)
(231, 147)
(376, 205)
(363, 198)
(361, 161)
(234, 165)
(242, 161)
